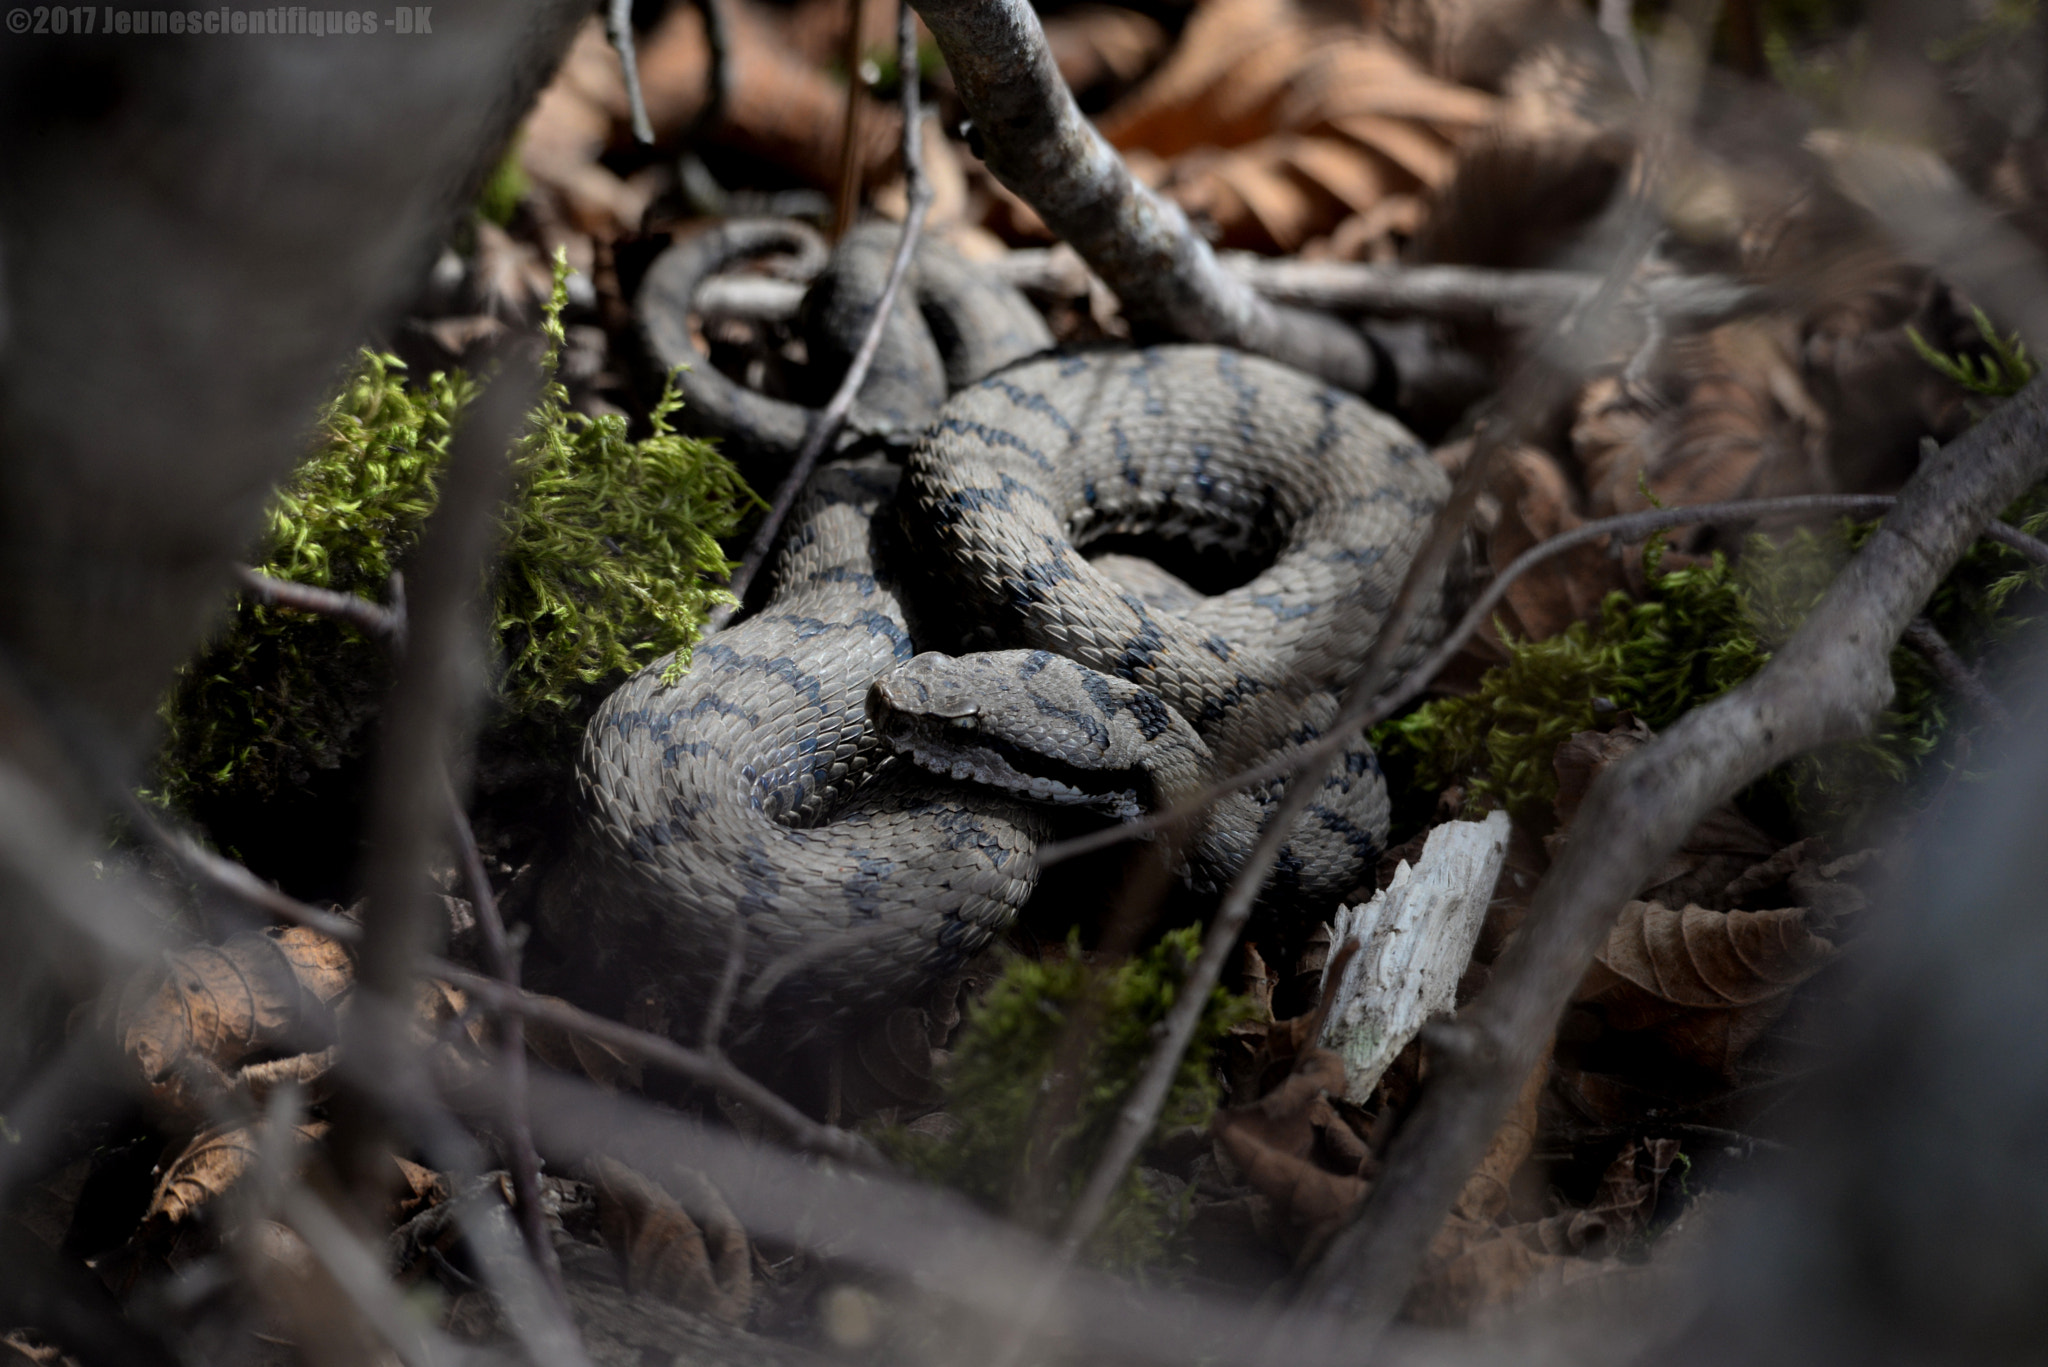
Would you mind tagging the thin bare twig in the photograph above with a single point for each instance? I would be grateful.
(727, 987)
(1034, 139)
(435, 679)
(1624, 527)
(717, 71)
(374, 620)
(1140, 1110)
(1446, 293)
(1476, 294)
(1954, 671)
(1618, 22)
(1628, 527)
(1549, 371)
(521, 1160)
(922, 1235)
(273, 1191)
(618, 24)
(383, 1088)
(846, 202)
(825, 424)
(1828, 682)
(359, 1275)
(705, 1069)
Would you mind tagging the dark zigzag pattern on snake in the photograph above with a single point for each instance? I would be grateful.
(755, 787)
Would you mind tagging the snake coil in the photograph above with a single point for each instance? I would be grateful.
(840, 818)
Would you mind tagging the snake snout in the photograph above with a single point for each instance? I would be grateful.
(930, 686)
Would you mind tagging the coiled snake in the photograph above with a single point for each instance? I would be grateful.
(817, 800)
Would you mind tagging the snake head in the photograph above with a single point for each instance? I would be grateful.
(1039, 727)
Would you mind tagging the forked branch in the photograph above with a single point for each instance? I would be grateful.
(1828, 683)
(1033, 137)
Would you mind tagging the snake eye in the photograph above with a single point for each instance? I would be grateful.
(965, 723)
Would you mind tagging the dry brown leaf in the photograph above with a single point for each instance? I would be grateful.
(1627, 1198)
(1742, 426)
(1528, 500)
(661, 1251)
(782, 108)
(945, 177)
(1473, 1265)
(1527, 183)
(1259, 981)
(210, 1007)
(1719, 850)
(1537, 502)
(1102, 49)
(442, 1011)
(1276, 1142)
(1810, 876)
(571, 125)
(1261, 1053)
(1279, 125)
(1601, 1098)
(1486, 1191)
(1473, 41)
(1880, 396)
(259, 1080)
(1708, 982)
(567, 1051)
(423, 1188)
(27, 1348)
(511, 279)
(209, 1165)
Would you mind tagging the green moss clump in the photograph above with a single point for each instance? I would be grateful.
(1002, 1073)
(1698, 632)
(508, 184)
(610, 558)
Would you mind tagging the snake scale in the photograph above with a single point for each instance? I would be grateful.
(839, 818)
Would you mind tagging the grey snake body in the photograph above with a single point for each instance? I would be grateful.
(816, 801)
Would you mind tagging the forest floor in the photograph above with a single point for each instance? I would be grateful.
(1506, 137)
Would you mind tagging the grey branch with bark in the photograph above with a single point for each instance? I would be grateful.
(1828, 683)
(1035, 140)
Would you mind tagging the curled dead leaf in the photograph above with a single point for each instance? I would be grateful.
(1733, 419)
(259, 1080)
(1293, 1148)
(1627, 1199)
(208, 1166)
(1527, 183)
(1279, 124)
(210, 1007)
(1474, 1265)
(781, 108)
(1472, 41)
(1708, 982)
(700, 1263)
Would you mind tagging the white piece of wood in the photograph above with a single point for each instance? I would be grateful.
(1415, 939)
